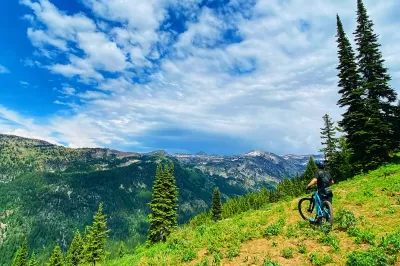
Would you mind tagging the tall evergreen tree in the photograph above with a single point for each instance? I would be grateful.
(310, 169)
(56, 258)
(94, 249)
(379, 129)
(172, 198)
(158, 207)
(21, 256)
(163, 216)
(216, 208)
(33, 261)
(75, 252)
(329, 142)
(352, 98)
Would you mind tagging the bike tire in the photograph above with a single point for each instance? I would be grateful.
(309, 204)
(326, 205)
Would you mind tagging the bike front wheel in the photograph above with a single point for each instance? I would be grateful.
(306, 207)
(328, 212)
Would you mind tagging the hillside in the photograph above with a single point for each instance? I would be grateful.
(49, 191)
(276, 235)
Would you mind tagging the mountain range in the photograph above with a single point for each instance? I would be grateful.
(49, 191)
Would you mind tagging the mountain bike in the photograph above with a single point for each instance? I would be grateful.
(323, 209)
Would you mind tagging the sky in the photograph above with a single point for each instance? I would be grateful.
(219, 76)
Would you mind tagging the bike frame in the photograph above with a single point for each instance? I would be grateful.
(318, 204)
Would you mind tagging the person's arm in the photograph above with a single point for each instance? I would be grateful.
(312, 182)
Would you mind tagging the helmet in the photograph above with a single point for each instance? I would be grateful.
(320, 164)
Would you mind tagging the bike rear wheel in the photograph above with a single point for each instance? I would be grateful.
(328, 212)
(306, 208)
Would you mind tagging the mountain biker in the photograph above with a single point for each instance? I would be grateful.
(324, 180)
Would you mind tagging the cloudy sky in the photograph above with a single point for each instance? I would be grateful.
(219, 76)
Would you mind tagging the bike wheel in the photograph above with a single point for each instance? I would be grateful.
(328, 212)
(306, 207)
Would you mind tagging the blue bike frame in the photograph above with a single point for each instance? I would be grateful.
(318, 204)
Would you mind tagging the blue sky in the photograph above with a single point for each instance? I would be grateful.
(221, 76)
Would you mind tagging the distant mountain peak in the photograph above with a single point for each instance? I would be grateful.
(158, 152)
(257, 153)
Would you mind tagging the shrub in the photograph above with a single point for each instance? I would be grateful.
(345, 219)
(217, 260)
(362, 236)
(372, 256)
(391, 243)
(302, 248)
(287, 253)
(274, 229)
(233, 252)
(318, 260)
(269, 262)
(189, 255)
(291, 232)
(274, 244)
(204, 262)
(331, 240)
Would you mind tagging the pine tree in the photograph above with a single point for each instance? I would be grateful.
(21, 256)
(172, 199)
(328, 136)
(75, 252)
(121, 251)
(95, 239)
(216, 208)
(352, 98)
(380, 137)
(33, 261)
(310, 170)
(163, 216)
(56, 258)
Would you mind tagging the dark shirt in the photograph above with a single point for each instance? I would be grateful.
(323, 181)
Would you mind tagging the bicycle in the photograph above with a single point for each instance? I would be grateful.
(324, 209)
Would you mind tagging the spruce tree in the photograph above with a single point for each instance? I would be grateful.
(329, 142)
(95, 239)
(352, 98)
(121, 251)
(33, 261)
(163, 215)
(310, 170)
(56, 258)
(75, 252)
(172, 199)
(379, 128)
(216, 208)
(158, 207)
(21, 256)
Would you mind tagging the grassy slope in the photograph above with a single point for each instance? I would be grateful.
(373, 198)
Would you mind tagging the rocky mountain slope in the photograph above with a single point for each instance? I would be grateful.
(49, 191)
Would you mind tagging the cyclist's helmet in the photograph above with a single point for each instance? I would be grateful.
(320, 164)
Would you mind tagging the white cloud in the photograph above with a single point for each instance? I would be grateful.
(101, 53)
(4, 70)
(69, 91)
(91, 95)
(39, 38)
(24, 83)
